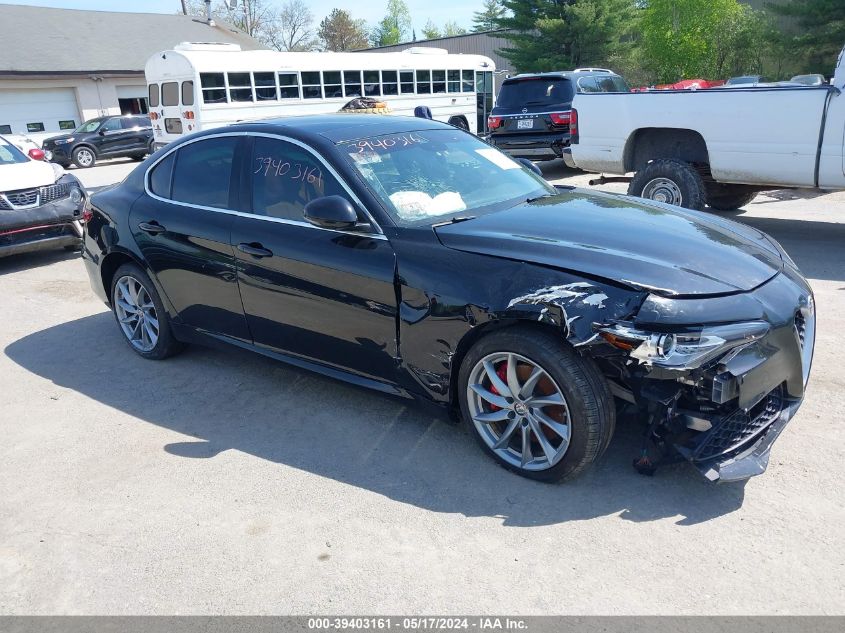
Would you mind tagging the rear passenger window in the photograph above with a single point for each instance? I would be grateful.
(213, 87)
(153, 93)
(170, 93)
(285, 178)
(203, 172)
(160, 176)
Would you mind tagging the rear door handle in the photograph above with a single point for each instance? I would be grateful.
(152, 227)
(255, 249)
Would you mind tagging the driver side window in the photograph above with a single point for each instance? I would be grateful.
(286, 177)
(111, 125)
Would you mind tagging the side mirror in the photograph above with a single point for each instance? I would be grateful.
(331, 212)
(529, 165)
(36, 154)
(102, 132)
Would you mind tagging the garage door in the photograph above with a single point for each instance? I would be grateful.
(25, 111)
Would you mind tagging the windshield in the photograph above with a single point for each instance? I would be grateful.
(88, 126)
(534, 91)
(430, 176)
(9, 154)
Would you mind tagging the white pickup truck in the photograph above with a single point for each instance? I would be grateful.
(715, 147)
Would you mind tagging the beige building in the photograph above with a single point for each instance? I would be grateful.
(90, 64)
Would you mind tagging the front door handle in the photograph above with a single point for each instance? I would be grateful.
(255, 249)
(152, 227)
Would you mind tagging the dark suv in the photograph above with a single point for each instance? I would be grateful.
(532, 113)
(103, 137)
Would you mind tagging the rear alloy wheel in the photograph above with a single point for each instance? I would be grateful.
(84, 157)
(535, 405)
(669, 181)
(141, 315)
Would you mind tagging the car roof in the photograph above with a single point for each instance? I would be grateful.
(564, 74)
(338, 128)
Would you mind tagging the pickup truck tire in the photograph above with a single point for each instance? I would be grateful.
(671, 181)
(730, 198)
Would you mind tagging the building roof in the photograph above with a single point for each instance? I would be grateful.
(61, 41)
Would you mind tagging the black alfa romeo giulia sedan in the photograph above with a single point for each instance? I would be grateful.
(408, 256)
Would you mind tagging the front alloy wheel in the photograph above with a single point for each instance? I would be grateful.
(534, 404)
(519, 411)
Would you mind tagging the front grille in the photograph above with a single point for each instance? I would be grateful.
(4, 206)
(739, 428)
(58, 191)
(22, 198)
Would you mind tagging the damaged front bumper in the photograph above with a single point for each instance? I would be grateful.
(724, 415)
(41, 218)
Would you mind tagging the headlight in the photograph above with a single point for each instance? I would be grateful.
(682, 350)
(64, 141)
(76, 195)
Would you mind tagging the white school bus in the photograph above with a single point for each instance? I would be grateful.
(197, 86)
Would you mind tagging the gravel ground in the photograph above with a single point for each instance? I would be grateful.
(223, 482)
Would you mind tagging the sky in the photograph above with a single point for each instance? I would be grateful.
(439, 11)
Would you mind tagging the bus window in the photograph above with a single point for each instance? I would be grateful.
(213, 88)
(331, 84)
(265, 86)
(288, 86)
(468, 83)
(153, 96)
(438, 79)
(423, 82)
(188, 93)
(372, 87)
(311, 85)
(389, 82)
(352, 83)
(454, 81)
(406, 79)
(240, 87)
(170, 93)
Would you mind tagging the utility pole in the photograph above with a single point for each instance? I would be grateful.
(185, 7)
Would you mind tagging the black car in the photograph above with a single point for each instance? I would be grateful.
(408, 256)
(531, 118)
(103, 137)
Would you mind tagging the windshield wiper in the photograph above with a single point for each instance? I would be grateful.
(534, 199)
(454, 220)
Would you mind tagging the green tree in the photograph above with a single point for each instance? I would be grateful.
(560, 34)
(431, 31)
(453, 28)
(700, 38)
(393, 27)
(822, 31)
(487, 19)
(339, 32)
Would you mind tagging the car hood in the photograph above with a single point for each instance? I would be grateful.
(33, 173)
(59, 137)
(667, 250)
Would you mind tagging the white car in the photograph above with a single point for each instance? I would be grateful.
(40, 204)
(714, 147)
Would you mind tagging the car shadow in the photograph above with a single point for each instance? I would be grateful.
(36, 259)
(237, 400)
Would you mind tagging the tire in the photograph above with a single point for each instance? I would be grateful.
(163, 344)
(460, 123)
(588, 411)
(729, 197)
(84, 157)
(671, 181)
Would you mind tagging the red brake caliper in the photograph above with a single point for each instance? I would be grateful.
(501, 372)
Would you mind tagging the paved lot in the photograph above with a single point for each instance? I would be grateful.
(227, 483)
